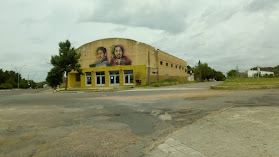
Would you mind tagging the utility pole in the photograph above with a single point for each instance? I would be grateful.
(148, 68)
(18, 71)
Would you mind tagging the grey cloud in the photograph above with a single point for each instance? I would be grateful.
(259, 5)
(144, 15)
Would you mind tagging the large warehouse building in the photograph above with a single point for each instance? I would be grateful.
(124, 62)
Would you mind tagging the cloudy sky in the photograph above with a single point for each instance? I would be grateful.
(224, 34)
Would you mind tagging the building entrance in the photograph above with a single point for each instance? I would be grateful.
(114, 78)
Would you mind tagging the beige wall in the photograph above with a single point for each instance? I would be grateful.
(176, 67)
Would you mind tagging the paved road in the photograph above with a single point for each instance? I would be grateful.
(124, 123)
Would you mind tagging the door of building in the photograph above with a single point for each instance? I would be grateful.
(114, 78)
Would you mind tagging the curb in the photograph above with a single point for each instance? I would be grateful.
(244, 87)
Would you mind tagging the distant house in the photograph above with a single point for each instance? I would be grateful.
(254, 73)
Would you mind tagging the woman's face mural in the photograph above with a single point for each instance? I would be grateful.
(118, 52)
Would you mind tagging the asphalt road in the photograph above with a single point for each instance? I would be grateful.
(122, 123)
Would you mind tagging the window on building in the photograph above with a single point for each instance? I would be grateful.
(171, 65)
(175, 66)
(161, 62)
(100, 78)
(77, 78)
(128, 77)
(167, 64)
(88, 78)
(179, 67)
(114, 77)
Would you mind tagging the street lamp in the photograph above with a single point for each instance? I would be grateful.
(18, 71)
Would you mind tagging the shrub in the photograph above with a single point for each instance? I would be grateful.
(6, 86)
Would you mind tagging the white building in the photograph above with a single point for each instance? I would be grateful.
(254, 73)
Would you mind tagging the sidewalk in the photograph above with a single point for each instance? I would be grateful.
(242, 131)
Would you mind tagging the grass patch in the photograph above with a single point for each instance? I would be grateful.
(167, 82)
(237, 82)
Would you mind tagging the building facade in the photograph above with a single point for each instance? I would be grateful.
(124, 62)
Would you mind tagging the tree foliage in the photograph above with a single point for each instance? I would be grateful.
(9, 77)
(63, 63)
(204, 72)
(232, 73)
(54, 77)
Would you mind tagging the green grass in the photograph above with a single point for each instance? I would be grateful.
(166, 82)
(250, 82)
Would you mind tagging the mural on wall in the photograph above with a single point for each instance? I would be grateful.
(118, 57)
(102, 58)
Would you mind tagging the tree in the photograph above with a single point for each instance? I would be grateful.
(232, 73)
(276, 71)
(204, 72)
(54, 77)
(23, 84)
(219, 76)
(9, 77)
(66, 61)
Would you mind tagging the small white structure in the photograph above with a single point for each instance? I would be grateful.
(190, 76)
(254, 73)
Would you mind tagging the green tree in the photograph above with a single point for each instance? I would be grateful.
(66, 61)
(219, 76)
(203, 72)
(11, 82)
(54, 77)
(23, 84)
(232, 73)
(9, 77)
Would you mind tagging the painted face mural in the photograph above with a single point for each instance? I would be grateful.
(119, 57)
(100, 55)
(102, 58)
(118, 53)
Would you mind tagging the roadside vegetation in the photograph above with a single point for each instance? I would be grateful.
(166, 82)
(238, 81)
(12, 79)
(203, 72)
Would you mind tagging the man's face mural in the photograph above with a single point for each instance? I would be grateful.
(118, 52)
(100, 55)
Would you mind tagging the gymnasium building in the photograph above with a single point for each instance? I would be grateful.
(124, 62)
